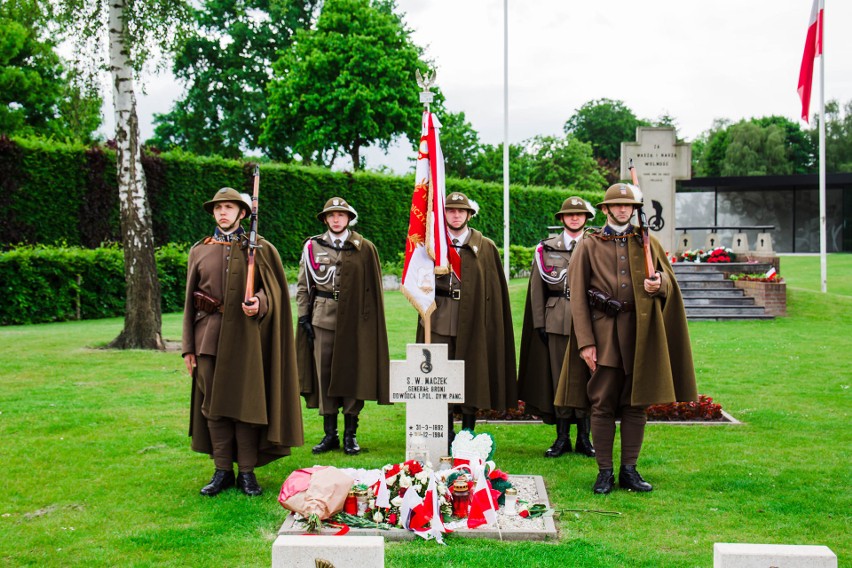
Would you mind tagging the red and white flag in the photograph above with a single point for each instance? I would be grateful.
(483, 505)
(813, 49)
(427, 250)
(771, 274)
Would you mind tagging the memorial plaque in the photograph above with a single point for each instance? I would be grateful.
(659, 160)
(427, 382)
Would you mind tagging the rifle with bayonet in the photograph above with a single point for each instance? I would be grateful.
(643, 229)
(252, 240)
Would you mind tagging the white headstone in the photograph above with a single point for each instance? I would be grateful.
(659, 160)
(427, 382)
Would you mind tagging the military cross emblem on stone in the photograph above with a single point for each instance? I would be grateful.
(427, 382)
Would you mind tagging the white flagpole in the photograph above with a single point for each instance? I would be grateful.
(823, 265)
(506, 138)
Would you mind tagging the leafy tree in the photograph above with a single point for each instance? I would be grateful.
(771, 145)
(542, 160)
(134, 29)
(755, 150)
(459, 144)
(38, 94)
(605, 124)
(564, 162)
(838, 136)
(344, 85)
(488, 165)
(226, 63)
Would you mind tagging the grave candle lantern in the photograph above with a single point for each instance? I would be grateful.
(350, 506)
(511, 498)
(461, 497)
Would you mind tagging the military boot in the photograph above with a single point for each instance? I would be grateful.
(584, 445)
(330, 441)
(605, 482)
(468, 422)
(350, 428)
(562, 445)
(222, 479)
(629, 478)
(247, 482)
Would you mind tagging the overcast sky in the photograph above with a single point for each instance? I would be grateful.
(694, 60)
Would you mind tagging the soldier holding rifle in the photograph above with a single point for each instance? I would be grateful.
(630, 347)
(238, 346)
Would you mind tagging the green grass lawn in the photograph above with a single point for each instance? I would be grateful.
(99, 470)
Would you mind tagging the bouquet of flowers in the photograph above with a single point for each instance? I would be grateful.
(719, 254)
(692, 255)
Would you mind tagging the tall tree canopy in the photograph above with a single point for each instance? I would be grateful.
(345, 85)
(771, 145)
(605, 124)
(838, 136)
(39, 94)
(225, 63)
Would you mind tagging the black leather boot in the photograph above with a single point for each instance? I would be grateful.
(222, 479)
(584, 445)
(562, 445)
(330, 441)
(468, 422)
(247, 482)
(629, 478)
(350, 428)
(605, 482)
(451, 433)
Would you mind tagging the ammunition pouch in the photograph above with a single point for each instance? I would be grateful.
(206, 302)
(607, 304)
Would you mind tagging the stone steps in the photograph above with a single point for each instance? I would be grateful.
(709, 295)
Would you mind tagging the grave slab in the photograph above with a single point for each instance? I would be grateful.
(744, 555)
(508, 527)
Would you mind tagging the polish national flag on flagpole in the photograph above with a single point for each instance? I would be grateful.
(427, 250)
(813, 49)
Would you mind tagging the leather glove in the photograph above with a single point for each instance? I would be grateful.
(542, 334)
(307, 326)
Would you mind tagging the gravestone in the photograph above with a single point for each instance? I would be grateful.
(427, 382)
(659, 160)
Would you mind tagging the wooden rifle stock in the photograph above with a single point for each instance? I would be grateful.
(643, 228)
(252, 236)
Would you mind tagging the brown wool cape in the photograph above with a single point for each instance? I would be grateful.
(485, 339)
(535, 387)
(663, 370)
(255, 380)
(360, 364)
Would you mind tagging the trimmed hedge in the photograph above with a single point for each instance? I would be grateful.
(66, 195)
(44, 284)
(47, 284)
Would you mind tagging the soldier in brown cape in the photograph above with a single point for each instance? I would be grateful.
(547, 327)
(474, 319)
(245, 398)
(630, 346)
(342, 340)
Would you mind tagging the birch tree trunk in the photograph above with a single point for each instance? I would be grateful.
(142, 311)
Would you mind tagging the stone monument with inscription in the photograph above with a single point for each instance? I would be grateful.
(427, 382)
(659, 160)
